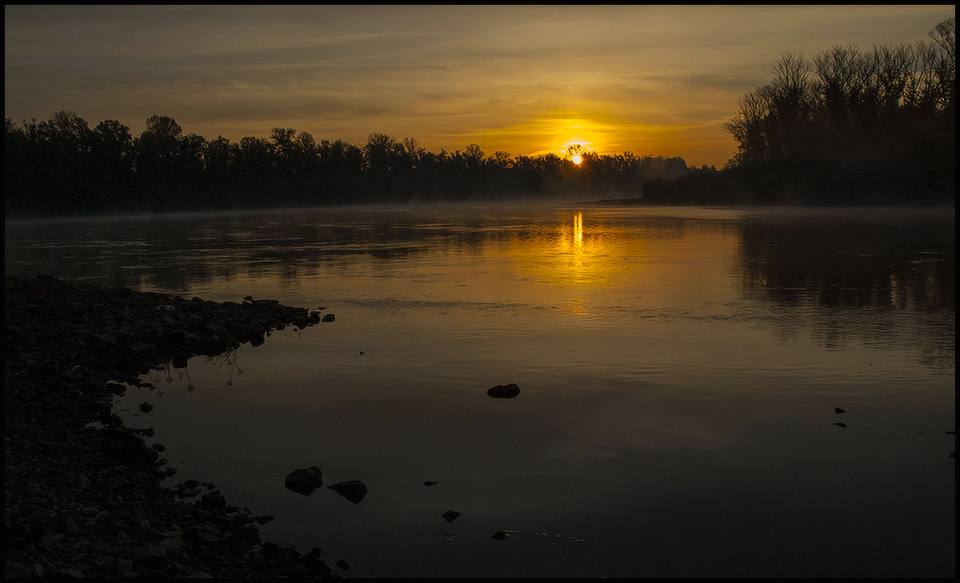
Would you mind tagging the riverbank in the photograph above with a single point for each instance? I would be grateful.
(82, 493)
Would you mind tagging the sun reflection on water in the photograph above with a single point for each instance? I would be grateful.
(578, 232)
(576, 253)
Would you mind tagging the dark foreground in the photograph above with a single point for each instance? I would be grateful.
(82, 493)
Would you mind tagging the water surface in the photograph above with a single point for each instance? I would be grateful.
(679, 370)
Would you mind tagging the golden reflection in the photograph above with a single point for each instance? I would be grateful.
(575, 254)
(578, 233)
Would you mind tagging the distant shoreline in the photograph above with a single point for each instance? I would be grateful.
(641, 201)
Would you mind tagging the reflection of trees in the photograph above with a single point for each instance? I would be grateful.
(871, 279)
(887, 269)
(177, 253)
(852, 264)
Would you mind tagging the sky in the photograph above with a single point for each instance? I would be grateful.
(525, 80)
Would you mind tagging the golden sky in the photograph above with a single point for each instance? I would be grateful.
(652, 80)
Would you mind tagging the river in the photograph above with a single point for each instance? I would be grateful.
(680, 372)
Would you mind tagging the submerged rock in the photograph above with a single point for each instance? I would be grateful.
(304, 481)
(352, 490)
(504, 391)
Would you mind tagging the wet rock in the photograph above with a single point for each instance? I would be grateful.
(274, 547)
(304, 481)
(315, 564)
(352, 490)
(213, 501)
(504, 391)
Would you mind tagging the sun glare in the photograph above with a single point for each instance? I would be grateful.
(577, 159)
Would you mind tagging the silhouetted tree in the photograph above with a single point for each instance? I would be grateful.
(61, 166)
(882, 119)
(111, 162)
(413, 151)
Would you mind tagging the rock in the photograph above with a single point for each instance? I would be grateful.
(328, 318)
(313, 561)
(430, 483)
(342, 564)
(352, 490)
(146, 407)
(838, 410)
(213, 501)
(304, 481)
(150, 553)
(275, 547)
(450, 515)
(504, 391)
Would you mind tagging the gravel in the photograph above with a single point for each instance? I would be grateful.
(83, 494)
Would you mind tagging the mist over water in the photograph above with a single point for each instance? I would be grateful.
(679, 370)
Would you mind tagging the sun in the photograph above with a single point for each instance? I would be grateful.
(575, 151)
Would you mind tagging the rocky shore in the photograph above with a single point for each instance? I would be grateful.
(82, 493)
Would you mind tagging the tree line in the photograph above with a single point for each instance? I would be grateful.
(62, 166)
(846, 125)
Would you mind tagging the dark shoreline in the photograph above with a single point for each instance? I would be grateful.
(82, 493)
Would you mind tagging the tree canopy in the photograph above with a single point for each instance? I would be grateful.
(61, 166)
